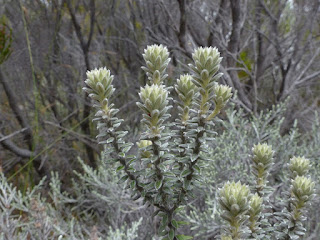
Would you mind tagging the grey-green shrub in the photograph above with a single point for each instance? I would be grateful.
(93, 208)
(229, 159)
(166, 176)
(171, 162)
(96, 207)
(236, 201)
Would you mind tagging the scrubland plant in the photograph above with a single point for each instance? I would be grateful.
(83, 215)
(245, 212)
(168, 166)
(174, 160)
(228, 160)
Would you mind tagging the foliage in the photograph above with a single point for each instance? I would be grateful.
(234, 201)
(97, 206)
(85, 213)
(270, 50)
(5, 41)
(167, 176)
(228, 160)
(174, 163)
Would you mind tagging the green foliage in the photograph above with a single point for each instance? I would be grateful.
(97, 205)
(173, 154)
(5, 41)
(246, 62)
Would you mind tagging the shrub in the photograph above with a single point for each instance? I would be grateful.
(89, 211)
(169, 164)
(176, 161)
(229, 159)
(239, 206)
(171, 158)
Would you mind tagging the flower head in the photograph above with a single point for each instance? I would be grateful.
(262, 161)
(234, 198)
(154, 105)
(223, 94)
(206, 65)
(299, 166)
(100, 88)
(186, 91)
(157, 60)
(302, 188)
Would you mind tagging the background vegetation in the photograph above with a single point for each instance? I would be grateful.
(271, 52)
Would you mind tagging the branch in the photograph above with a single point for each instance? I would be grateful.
(85, 49)
(216, 28)
(182, 35)
(236, 22)
(92, 20)
(13, 102)
(12, 134)
(21, 152)
(307, 78)
(76, 25)
(82, 138)
(232, 49)
(267, 10)
(174, 27)
(308, 66)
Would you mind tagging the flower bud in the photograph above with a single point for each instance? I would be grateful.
(299, 166)
(234, 201)
(206, 65)
(234, 197)
(144, 144)
(254, 211)
(157, 60)
(99, 87)
(301, 187)
(223, 94)
(207, 58)
(262, 161)
(262, 154)
(154, 105)
(302, 190)
(225, 237)
(186, 91)
(255, 205)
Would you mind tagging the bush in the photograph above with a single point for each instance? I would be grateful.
(229, 159)
(174, 162)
